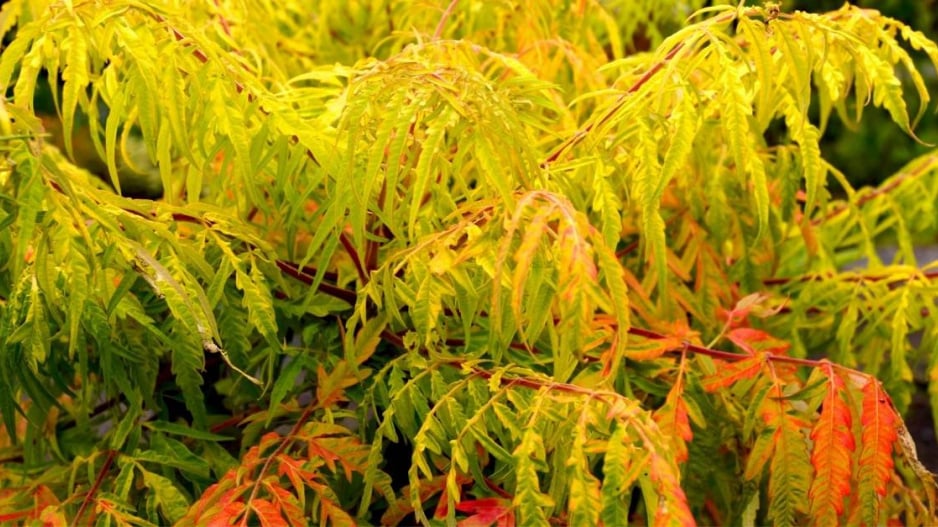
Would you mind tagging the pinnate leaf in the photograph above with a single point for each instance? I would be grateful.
(831, 456)
(742, 369)
(880, 432)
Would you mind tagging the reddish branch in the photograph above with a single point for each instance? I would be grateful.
(353, 254)
(884, 189)
(581, 134)
(292, 270)
(439, 27)
(307, 413)
(97, 484)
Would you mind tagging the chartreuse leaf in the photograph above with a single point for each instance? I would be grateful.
(258, 302)
(479, 184)
(584, 502)
(76, 78)
(622, 465)
(529, 501)
(165, 495)
(739, 133)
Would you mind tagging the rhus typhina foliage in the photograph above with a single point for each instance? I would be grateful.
(485, 263)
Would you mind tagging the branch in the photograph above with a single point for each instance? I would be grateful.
(94, 488)
(927, 163)
(620, 102)
(293, 271)
(857, 277)
(353, 254)
(439, 27)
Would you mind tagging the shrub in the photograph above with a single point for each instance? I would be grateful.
(535, 262)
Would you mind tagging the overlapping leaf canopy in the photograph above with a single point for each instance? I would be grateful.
(500, 232)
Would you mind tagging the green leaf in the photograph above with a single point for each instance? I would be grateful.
(171, 501)
(183, 431)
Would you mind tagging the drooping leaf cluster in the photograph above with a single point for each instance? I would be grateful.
(579, 261)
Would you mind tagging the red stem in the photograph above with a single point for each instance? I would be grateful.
(97, 484)
(356, 259)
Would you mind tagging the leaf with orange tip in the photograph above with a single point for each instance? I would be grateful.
(672, 417)
(749, 304)
(753, 341)
(727, 375)
(880, 432)
(652, 349)
(401, 508)
(672, 502)
(831, 456)
(53, 517)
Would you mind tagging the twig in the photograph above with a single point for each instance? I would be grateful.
(927, 275)
(581, 134)
(884, 189)
(356, 259)
(94, 488)
(293, 271)
(439, 27)
(277, 451)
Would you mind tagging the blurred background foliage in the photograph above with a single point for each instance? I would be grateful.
(875, 149)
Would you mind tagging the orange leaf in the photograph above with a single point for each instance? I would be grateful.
(742, 369)
(227, 515)
(672, 419)
(293, 469)
(672, 502)
(399, 509)
(332, 512)
(831, 457)
(268, 514)
(285, 501)
(43, 497)
(754, 340)
(52, 517)
(879, 437)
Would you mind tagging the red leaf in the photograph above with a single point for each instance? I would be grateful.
(400, 508)
(727, 375)
(487, 511)
(10, 516)
(831, 457)
(43, 497)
